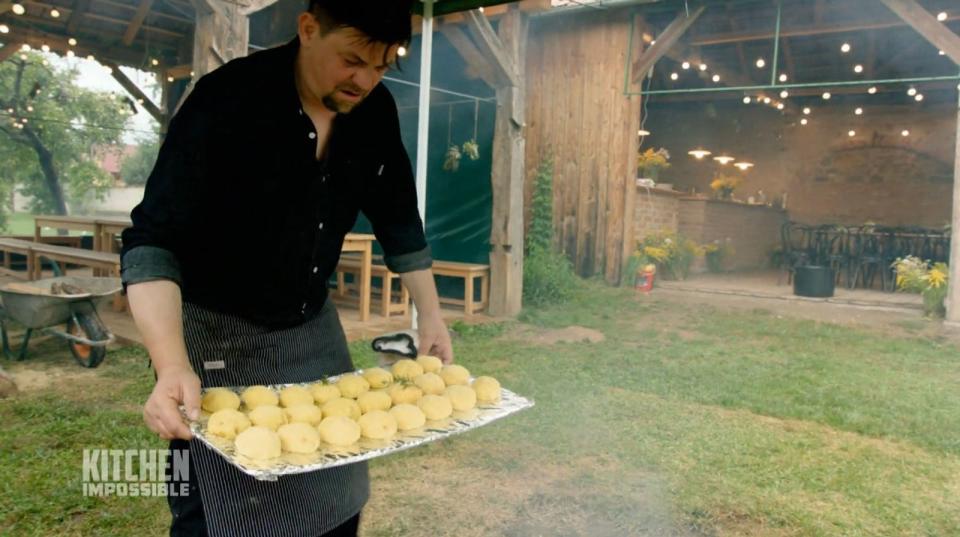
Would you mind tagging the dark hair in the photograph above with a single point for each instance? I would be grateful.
(382, 21)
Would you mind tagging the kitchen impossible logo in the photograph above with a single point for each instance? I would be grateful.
(136, 472)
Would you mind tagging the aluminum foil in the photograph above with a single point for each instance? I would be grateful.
(364, 449)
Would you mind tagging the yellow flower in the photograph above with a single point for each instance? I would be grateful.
(659, 254)
(936, 278)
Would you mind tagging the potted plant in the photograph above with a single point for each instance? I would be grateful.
(650, 162)
(716, 253)
(670, 252)
(929, 280)
(723, 185)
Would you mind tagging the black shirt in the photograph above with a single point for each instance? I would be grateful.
(242, 216)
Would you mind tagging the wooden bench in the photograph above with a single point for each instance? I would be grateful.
(107, 262)
(350, 264)
(10, 246)
(469, 272)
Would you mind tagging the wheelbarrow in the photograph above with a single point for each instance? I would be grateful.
(33, 305)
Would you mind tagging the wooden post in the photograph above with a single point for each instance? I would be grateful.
(953, 296)
(506, 236)
(222, 33)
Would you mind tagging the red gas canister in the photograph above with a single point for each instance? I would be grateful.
(644, 278)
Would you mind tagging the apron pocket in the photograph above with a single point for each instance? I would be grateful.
(241, 367)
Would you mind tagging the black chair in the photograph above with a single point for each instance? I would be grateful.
(798, 249)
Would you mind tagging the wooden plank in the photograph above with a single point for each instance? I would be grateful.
(490, 46)
(79, 9)
(5, 6)
(142, 11)
(470, 54)
(953, 296)
(927, 26)
(134, 90)
(664, 42)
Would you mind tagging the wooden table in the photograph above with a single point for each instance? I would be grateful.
(73, 223)
(363, 243)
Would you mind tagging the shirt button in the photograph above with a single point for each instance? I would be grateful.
(301, 111)
(320, 226)
(312, 135)
(315, 269)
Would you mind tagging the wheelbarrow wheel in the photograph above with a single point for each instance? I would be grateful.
(89, 327)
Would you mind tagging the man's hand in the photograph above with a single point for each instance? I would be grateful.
(434, 338)
(175, 386)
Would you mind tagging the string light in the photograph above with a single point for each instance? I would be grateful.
(685, 65)
(919, 97)
(746, 100)
(55, 13)
(784, 94)
(780, 106)
(858, 68)
(45, 47)
(703, 67)
(29, 108)
(23, 57)
(858, 111)
(70, 54)
(783, 77)
(761, 63)
(155, 62)
(641, 132)
(845, 48)
(25, 47)
(169, 79)
(90, 58)
(872, 90)
(401, 51)
(674, 76)
(826, 96)
(72, 42)
(716, 78)
(803, 121)
(4, 29)
(18, 9)
(806, 110)
(851, 133)
(912, 91)
(766, 100)
(942, 16)
(942, 53)
(904, 133)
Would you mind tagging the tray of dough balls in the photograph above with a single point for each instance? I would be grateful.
(270, 431)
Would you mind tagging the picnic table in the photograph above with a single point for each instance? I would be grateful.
(363, 243)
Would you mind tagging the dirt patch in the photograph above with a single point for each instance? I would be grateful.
(544, 336)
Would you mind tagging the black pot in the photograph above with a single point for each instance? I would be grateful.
(813, 281)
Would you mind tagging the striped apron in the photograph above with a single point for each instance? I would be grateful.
(226, 350)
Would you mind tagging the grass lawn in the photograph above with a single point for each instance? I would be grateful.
(687, 419)
(19, 224)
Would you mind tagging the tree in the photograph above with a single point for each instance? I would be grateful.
(136, 167)
(48, 126)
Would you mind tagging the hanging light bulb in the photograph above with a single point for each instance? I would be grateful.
(912, 91)
(783, 77)
(826, 96)
(845, 48)
(724, 159)
(744, 166)
(806, 110)
(858, 68)
(25, 47)
(45, 47)
(746, 100)
(402, 51)
(169, 79)
(643, 132)
(29, 108)
(91, 58)
(904, 133)
(71, 54)
(784, 94)
(942, 16)
(698, 153)
(761, 63)
(803, 121)
(780, 106)
(766, 100)
(919, 97)
(674, 76)
(18, 9)
(703, 67)
(155, 62)
(72, 42)
(851, 133)
(685, 65)
(55, 13)
(716, 78)
(942, 53)
(858, 111)
(4, 29)
(872, 90)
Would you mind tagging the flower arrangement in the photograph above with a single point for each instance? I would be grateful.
(716, 252)
(931, 280)
(671, 253)
(650, 162)
(724, 185)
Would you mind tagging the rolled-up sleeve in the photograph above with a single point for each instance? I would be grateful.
(171, 202)
(391, 205)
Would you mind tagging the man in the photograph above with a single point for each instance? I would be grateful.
(262, 173)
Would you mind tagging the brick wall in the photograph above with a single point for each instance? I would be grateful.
(829, 177)
(753, 230)
(656, 210)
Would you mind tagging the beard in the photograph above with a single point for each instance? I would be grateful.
(342, 106)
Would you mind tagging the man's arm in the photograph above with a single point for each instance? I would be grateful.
(434, 338)
(156, 307)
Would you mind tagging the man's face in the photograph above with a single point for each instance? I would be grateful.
(342, 67)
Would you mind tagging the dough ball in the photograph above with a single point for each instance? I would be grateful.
(430, 364)
(405, 393)
(258, 443)
(352, 385)
(378, 377)
(374, 401)
(455, 374)
(342, 407)
(461, 397)
(430, 383)
(269, 416)
(406, 369)
(295, 395)
(218, 399)
(299, 438)
(487, 388)
(378, 425)
(304, 414)
(324, 392)
(339, 431)
(408, 416)
(436, 407)
(255, 396)
(227, 423)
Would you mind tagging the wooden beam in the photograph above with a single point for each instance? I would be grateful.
(135, 91)
(78, 10)
(505, 69)
(9, 49)
(36, 39)
(470, 54)
(787, 57)
(179, 71)
(664, 42)
(5, 6)
(953, 290)
(142, 11)
(927, 26)
(801, 31)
